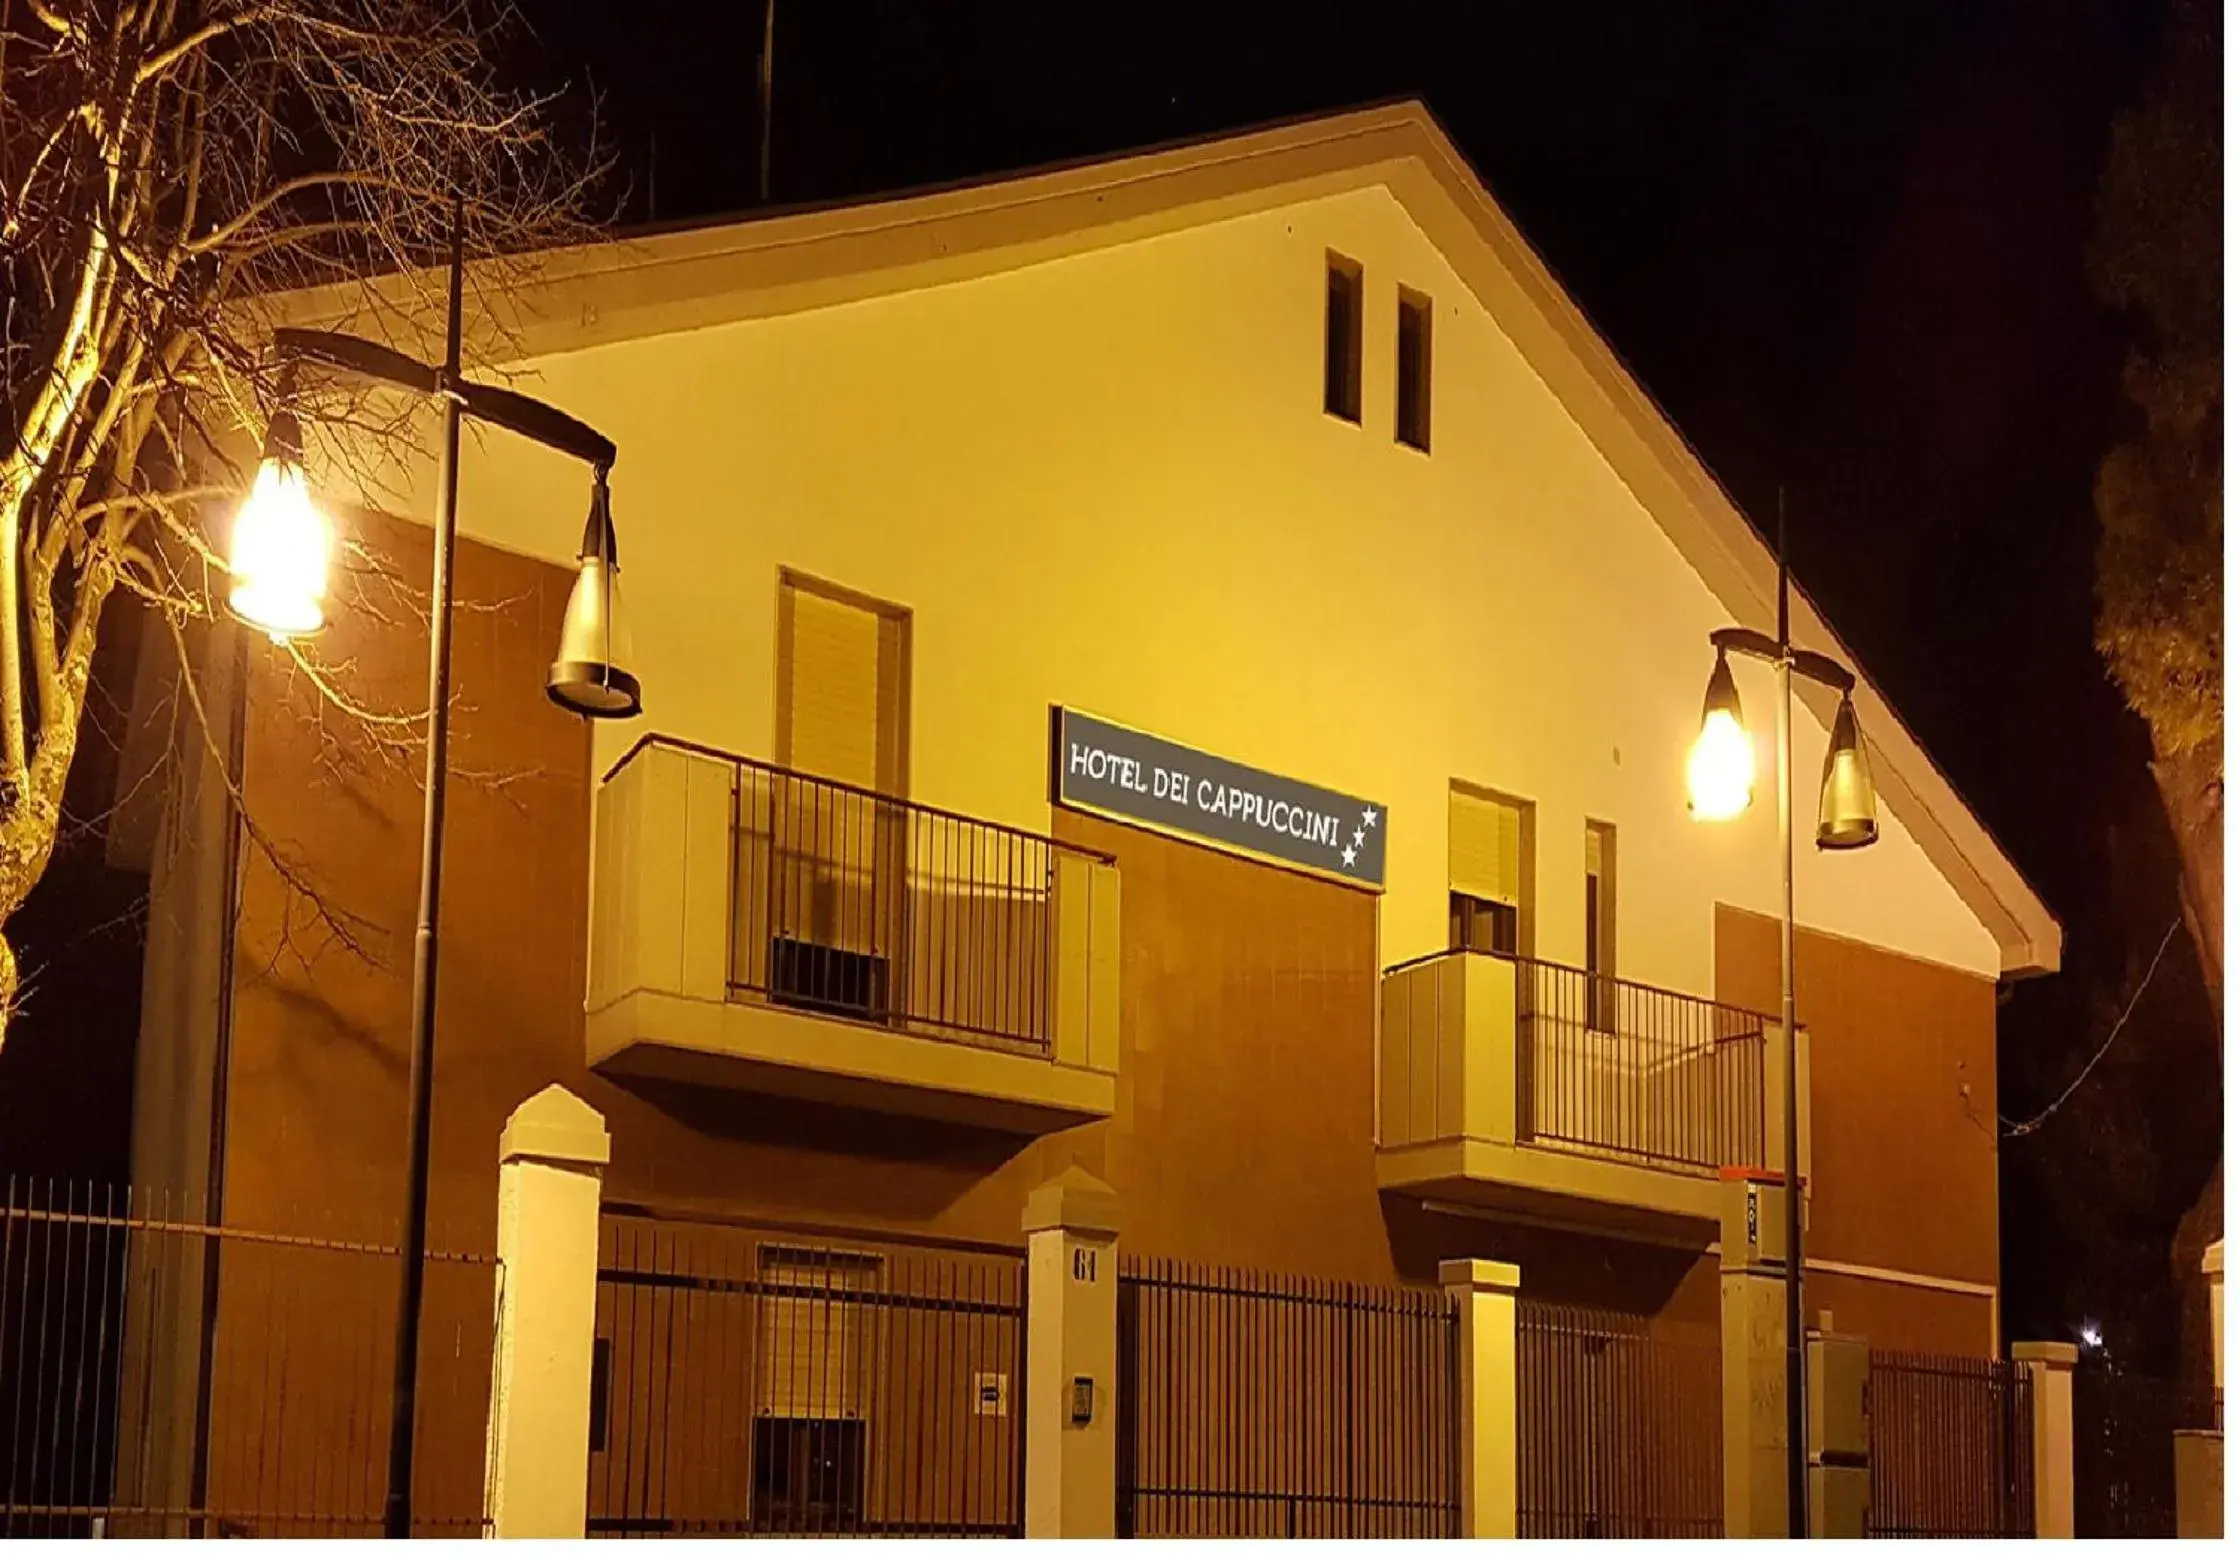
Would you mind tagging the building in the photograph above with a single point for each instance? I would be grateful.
(1278, 463)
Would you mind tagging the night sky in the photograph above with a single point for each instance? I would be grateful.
(1842, 245)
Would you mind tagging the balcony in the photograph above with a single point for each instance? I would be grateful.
(761, 930)
(1545, 1092)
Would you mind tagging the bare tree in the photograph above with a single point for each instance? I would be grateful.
(168, 170)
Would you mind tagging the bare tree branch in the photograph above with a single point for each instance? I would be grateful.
(171, 54)
(169, 167)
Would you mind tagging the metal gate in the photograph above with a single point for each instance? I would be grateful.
(761, 1378)
(162, 1376)
(1252, 1405)
(2126, 1454)
(1949, 1436)
(1618, 1426)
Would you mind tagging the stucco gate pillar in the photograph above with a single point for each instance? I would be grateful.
(1072, 1356)
(2199, 1452)
(2051, 1368)
(2211, 1263)
(1484, 1297)
(551, 1158)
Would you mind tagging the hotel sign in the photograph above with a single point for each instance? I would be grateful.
(1146, 779)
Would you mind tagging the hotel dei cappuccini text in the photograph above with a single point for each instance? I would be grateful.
(1150, 910)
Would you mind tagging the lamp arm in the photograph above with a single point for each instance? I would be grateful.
(1804, 663)
(356, 356)
(1746, 641)
(1831, 674)
(530, 418)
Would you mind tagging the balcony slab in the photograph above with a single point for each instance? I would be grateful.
(1551, 1185)
(765, 1049)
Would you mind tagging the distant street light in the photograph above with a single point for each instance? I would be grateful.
(281, 550)
(1721, 771)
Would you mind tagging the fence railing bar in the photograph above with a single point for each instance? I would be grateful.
(703, 1283)
(39, 1377)
(709, 1223)
(306, 1516)
(721, 1527)
(144, 1225)
(1396, 1303)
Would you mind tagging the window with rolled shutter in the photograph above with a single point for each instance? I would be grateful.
(1486, 840)
(1489, 871)
(843, 686)
(814, 1334)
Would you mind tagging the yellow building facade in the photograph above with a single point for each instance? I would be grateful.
(899, 483)
(1106, 481)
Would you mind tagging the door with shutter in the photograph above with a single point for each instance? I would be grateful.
(1601, 926)
(810, 1435)
(1489, 873)
(839, 847)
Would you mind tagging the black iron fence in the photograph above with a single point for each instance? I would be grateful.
(1614, 1067)
(762, 1379)
(2126, 1459)
(1618, 1425)
(1950, 1440)
(865, 906)
(1252, 1405)
(161, 1376)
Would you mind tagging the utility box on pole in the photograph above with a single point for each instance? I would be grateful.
(1841, 1475)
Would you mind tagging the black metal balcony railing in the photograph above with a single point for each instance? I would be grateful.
(1614, 1067)
(865, 906)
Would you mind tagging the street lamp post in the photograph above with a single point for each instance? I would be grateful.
(1720, 776)
(281, 549)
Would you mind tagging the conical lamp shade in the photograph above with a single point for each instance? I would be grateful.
(1846, 789)
(591, 676)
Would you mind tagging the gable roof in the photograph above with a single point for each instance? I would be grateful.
(656, 282)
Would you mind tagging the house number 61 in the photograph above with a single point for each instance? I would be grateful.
(1084, 1265)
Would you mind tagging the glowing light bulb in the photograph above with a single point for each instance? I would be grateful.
(1721, 768)
(282, 546)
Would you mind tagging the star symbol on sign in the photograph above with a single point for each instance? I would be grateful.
(1368, 818)
(1359, 837)
(1349, 853)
